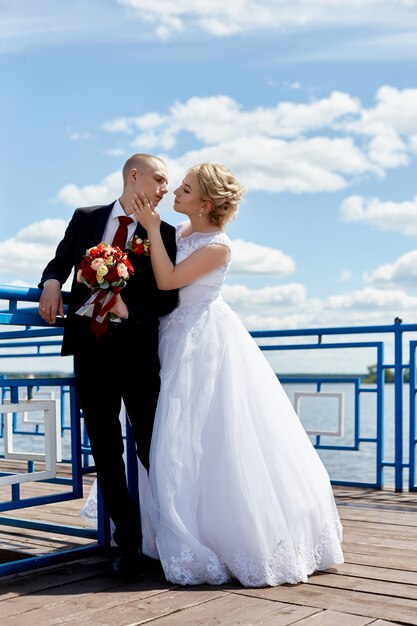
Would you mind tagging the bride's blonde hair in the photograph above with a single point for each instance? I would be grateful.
(218, 185)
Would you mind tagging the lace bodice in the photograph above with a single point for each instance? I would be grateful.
(207, 287)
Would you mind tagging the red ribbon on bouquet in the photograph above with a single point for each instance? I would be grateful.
(103, 301)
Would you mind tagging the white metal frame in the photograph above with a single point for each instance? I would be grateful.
(38, 420)
(340, 410)
(50, 457)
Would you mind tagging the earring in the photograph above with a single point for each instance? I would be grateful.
(200, 214)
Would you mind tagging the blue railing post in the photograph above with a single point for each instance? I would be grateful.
(398, 404)
(412, 434)
(380, 373)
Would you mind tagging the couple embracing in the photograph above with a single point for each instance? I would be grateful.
(234, 487)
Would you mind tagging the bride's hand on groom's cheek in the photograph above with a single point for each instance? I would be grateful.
(145, 211)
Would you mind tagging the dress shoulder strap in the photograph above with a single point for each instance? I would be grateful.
(211, 238)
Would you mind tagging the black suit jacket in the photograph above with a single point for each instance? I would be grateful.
(141, 294)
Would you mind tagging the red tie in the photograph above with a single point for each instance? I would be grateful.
(121, 233)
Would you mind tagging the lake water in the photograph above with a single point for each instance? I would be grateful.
(315, 414)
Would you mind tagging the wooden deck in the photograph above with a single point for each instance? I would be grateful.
(377, 584)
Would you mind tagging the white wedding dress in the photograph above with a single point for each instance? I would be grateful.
(235, 489)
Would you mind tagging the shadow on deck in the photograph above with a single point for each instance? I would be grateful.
(376, 585)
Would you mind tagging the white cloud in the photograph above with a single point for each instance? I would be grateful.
(299, 166)
(220, 19)
(251, 258)
(385, 215)
(320, 145)
(289, 307)
(391, 124)
(26, 254)
(245, 298)
(388, 150)
(403, 272)
(395, 109)
(25, 23)
(366, 28)
(373, 299)
(267, 147)
(75, 135)
(345, 276)
(293, 85)
(107, 190)
(214, 119)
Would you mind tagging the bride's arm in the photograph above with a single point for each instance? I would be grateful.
(168, 275)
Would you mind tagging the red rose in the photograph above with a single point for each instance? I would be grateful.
(88, 273)
(112, 275)
(139, 248)
(129, 266)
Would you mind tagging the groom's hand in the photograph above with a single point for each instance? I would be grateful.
(120, 309)
(50, 301)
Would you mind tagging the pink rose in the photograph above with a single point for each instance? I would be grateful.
(97, 263)
(122, 270)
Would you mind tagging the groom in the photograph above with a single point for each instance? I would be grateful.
(123, 362)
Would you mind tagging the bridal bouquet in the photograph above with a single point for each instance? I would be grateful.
(105, 270)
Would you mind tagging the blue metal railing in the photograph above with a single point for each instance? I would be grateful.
(38, 339)
(33, 340)
(397, 331)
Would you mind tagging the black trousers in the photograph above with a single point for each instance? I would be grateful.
(122, 364)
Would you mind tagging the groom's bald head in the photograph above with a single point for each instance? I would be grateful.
(141, 162)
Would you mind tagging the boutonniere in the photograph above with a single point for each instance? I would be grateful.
(139, 246)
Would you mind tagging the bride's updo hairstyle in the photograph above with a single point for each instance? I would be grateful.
(219, 186)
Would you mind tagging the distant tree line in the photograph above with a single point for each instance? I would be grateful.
(370, 377)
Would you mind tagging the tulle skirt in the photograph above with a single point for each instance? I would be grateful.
(235, 489)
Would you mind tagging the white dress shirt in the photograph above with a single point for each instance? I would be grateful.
(113, 224)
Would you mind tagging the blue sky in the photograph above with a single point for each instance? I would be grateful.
(312, 104)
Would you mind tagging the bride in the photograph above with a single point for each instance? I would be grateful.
(236, 489)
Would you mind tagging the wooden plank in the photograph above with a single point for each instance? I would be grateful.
(381, 526)
(375, 573)
(333, 618)
(379, 517)
(130, 605)
(385, 499)
(382, 622)
(365, 547)
(47, 607)
(232, 610)
(342, 600)
(377, 582)
(290, 615)
(380, 530)
(52, 577)
(342, 493)
(381, 560)
(382, 539)
(55, 596)
(36, 542)
(367, 585)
